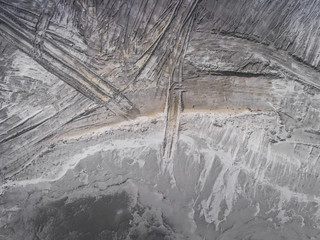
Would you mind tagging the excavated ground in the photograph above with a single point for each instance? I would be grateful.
(159, 120)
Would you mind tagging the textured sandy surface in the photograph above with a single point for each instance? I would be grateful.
(154, 119)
